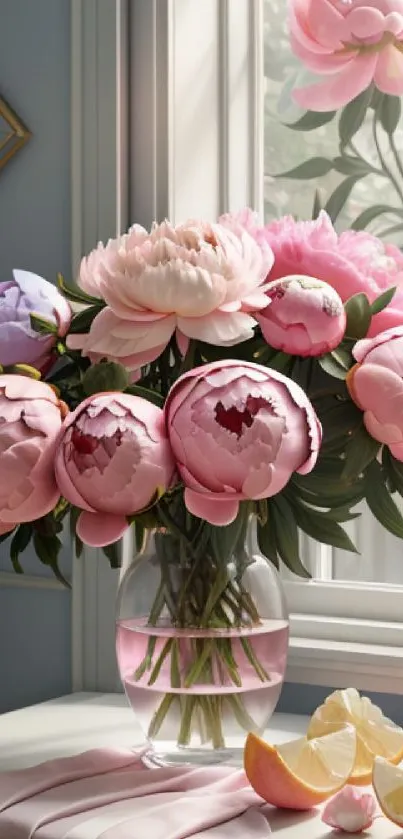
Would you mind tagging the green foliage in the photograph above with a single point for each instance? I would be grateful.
(316, 167)
(353, 115)
(42, 325)
(358, 311)
(105, 376)
(312, 120)
(83, 320)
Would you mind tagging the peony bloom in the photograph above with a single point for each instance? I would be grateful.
(306, 316)
(199, 280)
(353, 43)
(376, 386)
(112, 459)
(350, 810)
(24, 295)
(238, 431)
(30, 420)
(351, 263)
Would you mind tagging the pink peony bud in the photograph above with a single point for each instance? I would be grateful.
(306, 316)
(30, 420)
(350, 810)
(113, 458)
(376, 386)
(238, 431)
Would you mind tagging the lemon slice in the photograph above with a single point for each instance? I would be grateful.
(376, 734)
(302, 773)
(387, 780)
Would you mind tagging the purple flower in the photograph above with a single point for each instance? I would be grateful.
(29, 294)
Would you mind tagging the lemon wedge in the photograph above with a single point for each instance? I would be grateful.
(376, 734)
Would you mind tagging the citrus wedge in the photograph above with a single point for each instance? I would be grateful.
(303, 773)
(387, 780)
(376, 734)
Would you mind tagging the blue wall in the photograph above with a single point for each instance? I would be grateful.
(35, 235)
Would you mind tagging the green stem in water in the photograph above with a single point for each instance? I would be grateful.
(160, 714)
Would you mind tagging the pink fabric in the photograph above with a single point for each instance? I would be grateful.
(110, 794)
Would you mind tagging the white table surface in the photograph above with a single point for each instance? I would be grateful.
(82, 721)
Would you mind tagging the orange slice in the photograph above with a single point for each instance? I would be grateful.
(303, 773)
(376, 734)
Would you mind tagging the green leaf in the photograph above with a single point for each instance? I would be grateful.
(339, 421)
(383, 301)
(332, 366)
(286, 534)
(371, 213)
(226, 540)
(83, 321)
(267, 541)
(74, 293)
(347, 165)
(380, 502)
(313, 168)
(361, 450)
(323, 529)
(78, 545)
(389, 112)
(312, 120)
(105, 376)
(393, 469)
(47, 550)
(23, 370)
(20, 541)
(358, 311)
(340, 195)
(353, 115)
(280, 361)
(112, 552)
(42, 325)
(342, 514)
(144, 393)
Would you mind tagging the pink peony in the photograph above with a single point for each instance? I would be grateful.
(353, 43)
(238, 431)
(30, 420)
(376, 386)
(112, 460)
(306, 316)
(350, 810)
(350, 263)
(199, 280)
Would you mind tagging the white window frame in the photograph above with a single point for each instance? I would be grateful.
(196, 149)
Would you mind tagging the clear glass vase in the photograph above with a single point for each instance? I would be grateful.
(201, 648)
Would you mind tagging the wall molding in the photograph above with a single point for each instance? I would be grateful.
(9, 579)
(99, 185)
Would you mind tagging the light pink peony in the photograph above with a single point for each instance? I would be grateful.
(350, 810)
(352, 262)
(238, 431)
(199, 280)
(113, 457)
(376, 386)
(353, 43)
(305, 317)
(30, 420)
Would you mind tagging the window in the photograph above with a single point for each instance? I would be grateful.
(180, 120)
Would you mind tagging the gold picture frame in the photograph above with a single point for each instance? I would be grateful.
(13, 133)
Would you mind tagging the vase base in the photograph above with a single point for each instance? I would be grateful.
(155, 759)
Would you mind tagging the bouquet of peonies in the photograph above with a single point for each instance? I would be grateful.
(207, 371)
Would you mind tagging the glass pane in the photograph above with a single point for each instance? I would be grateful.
(381, 558)
(285, 149)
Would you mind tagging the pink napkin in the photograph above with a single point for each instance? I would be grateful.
(110, 794)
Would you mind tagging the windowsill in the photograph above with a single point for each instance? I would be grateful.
(82, 721)
(339, 663)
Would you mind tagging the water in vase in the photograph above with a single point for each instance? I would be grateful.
(194, 689)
